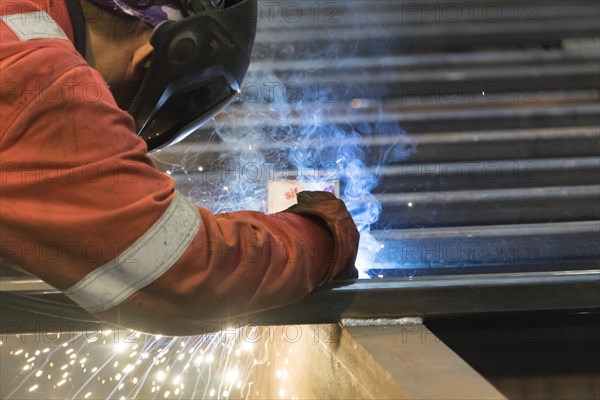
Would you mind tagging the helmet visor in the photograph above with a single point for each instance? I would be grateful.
(196, 70)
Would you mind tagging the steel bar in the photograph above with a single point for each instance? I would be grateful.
(490, 207)
(436, 296)
(445, 85)
(420, 13)
(503, 248)
(473, 146)
(442, 61)
(27, 310)
(492, 174)
(474, 32)
(423, 39)
(413, 177)
(584, 112)
(440, 119)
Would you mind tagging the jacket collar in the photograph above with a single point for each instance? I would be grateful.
(78, 25)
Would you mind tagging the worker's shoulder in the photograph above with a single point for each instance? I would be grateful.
(26, 26)
(33, 59)
(38, 74)
(30, 42)
(47, 71)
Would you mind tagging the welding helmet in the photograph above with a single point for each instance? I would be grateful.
(197, 66)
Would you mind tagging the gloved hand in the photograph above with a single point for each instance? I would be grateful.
(328, 211)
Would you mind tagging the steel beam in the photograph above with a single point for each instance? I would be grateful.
(411, 14)
(488, 174)
(488, 249)
(28, 310)
(490, 207)
(473, 146)
(433, 117)
(369, 362)
(443, 296)
(442, 61)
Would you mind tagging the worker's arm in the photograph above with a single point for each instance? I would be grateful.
(85, 209)
(238, 263)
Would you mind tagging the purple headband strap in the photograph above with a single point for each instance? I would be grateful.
(167, 10)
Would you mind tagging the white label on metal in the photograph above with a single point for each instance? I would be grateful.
(282, 193)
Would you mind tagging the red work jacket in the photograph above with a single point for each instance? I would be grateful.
(85, 209)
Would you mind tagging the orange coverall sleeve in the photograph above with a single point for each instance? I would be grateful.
(85, 209)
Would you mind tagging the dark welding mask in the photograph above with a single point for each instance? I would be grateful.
(196, 69)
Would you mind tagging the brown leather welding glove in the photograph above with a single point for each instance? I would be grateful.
(330, 213)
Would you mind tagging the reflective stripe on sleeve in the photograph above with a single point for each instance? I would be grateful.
(143, 262)
(34, 25)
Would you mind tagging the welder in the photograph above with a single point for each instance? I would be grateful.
(88, 88)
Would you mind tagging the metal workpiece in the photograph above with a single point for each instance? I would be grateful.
(490, 249)
(28, 309)
(423, 366)
(404, 361)
(472, 146)
(531, 205)
(443, 296)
